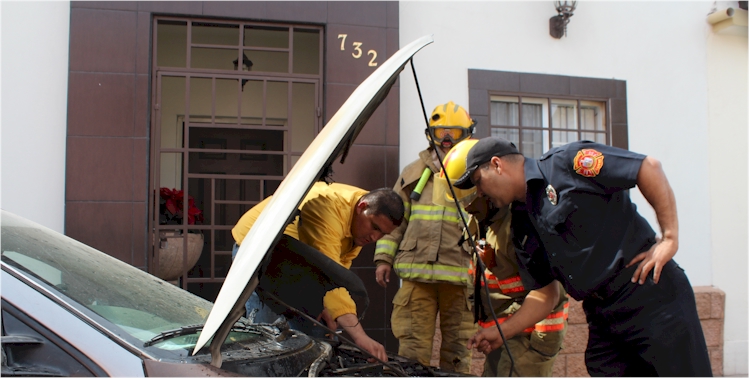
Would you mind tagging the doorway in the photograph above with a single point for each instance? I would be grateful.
(235, 106)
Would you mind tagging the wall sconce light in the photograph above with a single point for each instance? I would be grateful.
(558, 25)
(247, 64)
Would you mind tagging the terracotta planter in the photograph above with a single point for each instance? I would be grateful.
(170, 257)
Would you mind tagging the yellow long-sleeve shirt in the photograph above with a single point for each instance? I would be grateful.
(326, 213)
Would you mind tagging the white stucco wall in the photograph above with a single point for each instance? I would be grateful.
(728, 184)
(34, 109)
(661, 50)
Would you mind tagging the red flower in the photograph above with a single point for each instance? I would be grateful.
(171, 207)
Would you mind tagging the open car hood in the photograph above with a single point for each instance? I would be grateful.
(333, 141)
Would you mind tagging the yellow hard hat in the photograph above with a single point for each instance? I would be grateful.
(455, 165)
(450, 123)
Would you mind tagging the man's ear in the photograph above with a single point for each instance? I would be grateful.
(496, 163)
(362, 206)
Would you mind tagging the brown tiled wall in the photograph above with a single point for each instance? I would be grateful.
(570, 362)
(109, 97)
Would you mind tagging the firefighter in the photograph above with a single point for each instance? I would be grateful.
(535, 347)
(424, 253)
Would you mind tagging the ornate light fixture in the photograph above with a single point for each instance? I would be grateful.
(558, 25)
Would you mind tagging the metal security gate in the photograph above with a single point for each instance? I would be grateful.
(224, 134)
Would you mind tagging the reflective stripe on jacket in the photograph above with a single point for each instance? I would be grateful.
(554, 322)
(425, 247)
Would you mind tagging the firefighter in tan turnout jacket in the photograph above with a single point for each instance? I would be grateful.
(425, 254)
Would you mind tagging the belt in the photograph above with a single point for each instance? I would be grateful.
(622, 278)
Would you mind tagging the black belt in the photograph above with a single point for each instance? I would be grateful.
(623, 277)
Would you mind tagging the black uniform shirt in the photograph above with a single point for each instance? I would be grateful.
(578, 224)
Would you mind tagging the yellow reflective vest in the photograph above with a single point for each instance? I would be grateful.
(327, 212)
(424, 248)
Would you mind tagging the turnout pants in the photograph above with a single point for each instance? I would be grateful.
(533, 353)
(415, 308)
(647, 329)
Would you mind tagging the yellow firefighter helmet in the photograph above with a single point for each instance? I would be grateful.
(450, 124)
(455, 165)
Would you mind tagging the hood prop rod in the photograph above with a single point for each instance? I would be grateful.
(480, 265)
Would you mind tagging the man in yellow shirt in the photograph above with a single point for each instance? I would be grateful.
(336, 219)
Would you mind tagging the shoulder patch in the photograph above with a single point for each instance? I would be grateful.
(588, 162)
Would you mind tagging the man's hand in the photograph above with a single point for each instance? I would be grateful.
(351, 325)
(383, 274)
(486, 340)
(373, 347)
(536, 306)
(487, 254)
(655, 258)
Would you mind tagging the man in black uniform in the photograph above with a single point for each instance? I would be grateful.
(573, 221)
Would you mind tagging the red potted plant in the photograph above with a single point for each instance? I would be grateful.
(172, 212)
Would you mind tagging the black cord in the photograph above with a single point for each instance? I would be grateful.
(480, 264)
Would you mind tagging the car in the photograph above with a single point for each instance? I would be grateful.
(71, 310)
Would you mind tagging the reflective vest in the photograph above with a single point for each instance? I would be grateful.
(425, 248)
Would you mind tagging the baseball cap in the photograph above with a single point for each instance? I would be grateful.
(480, 154)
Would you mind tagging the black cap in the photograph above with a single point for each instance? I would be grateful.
(480, 154)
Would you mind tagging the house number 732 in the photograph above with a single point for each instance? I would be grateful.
(358, 50)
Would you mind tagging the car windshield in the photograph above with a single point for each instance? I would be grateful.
(140, 304)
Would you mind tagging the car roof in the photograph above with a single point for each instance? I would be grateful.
(334, 141)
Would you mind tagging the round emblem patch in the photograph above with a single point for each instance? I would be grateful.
(588, 162)
(551, 194)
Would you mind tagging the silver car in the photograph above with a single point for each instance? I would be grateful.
(70, 310)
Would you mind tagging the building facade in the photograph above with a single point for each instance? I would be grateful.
(105, 103)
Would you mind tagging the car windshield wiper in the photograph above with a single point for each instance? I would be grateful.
(167, 334)
(239, 326)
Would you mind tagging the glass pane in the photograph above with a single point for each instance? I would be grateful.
(223, 240)
(503, 113)
(306, 53)
(252, 100)
(235, 139)
(268, 61)
(200, 99)
(531, 115)
(564, 114)
(237, 164)
(533, 144)
(303, 115)
(219, 59)
(269, 187)
(170, 171)
(593, 115)
(596, 137)
(295, 158)
(221, 264)
(277, 100)
(200, 190)
(172, 111)
(560, 138)
(171, 43)
(216, 34)
(227, 100)
(263, 36)
(509, 134)
(238, 189)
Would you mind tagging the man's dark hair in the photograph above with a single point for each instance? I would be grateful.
(385, 201)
